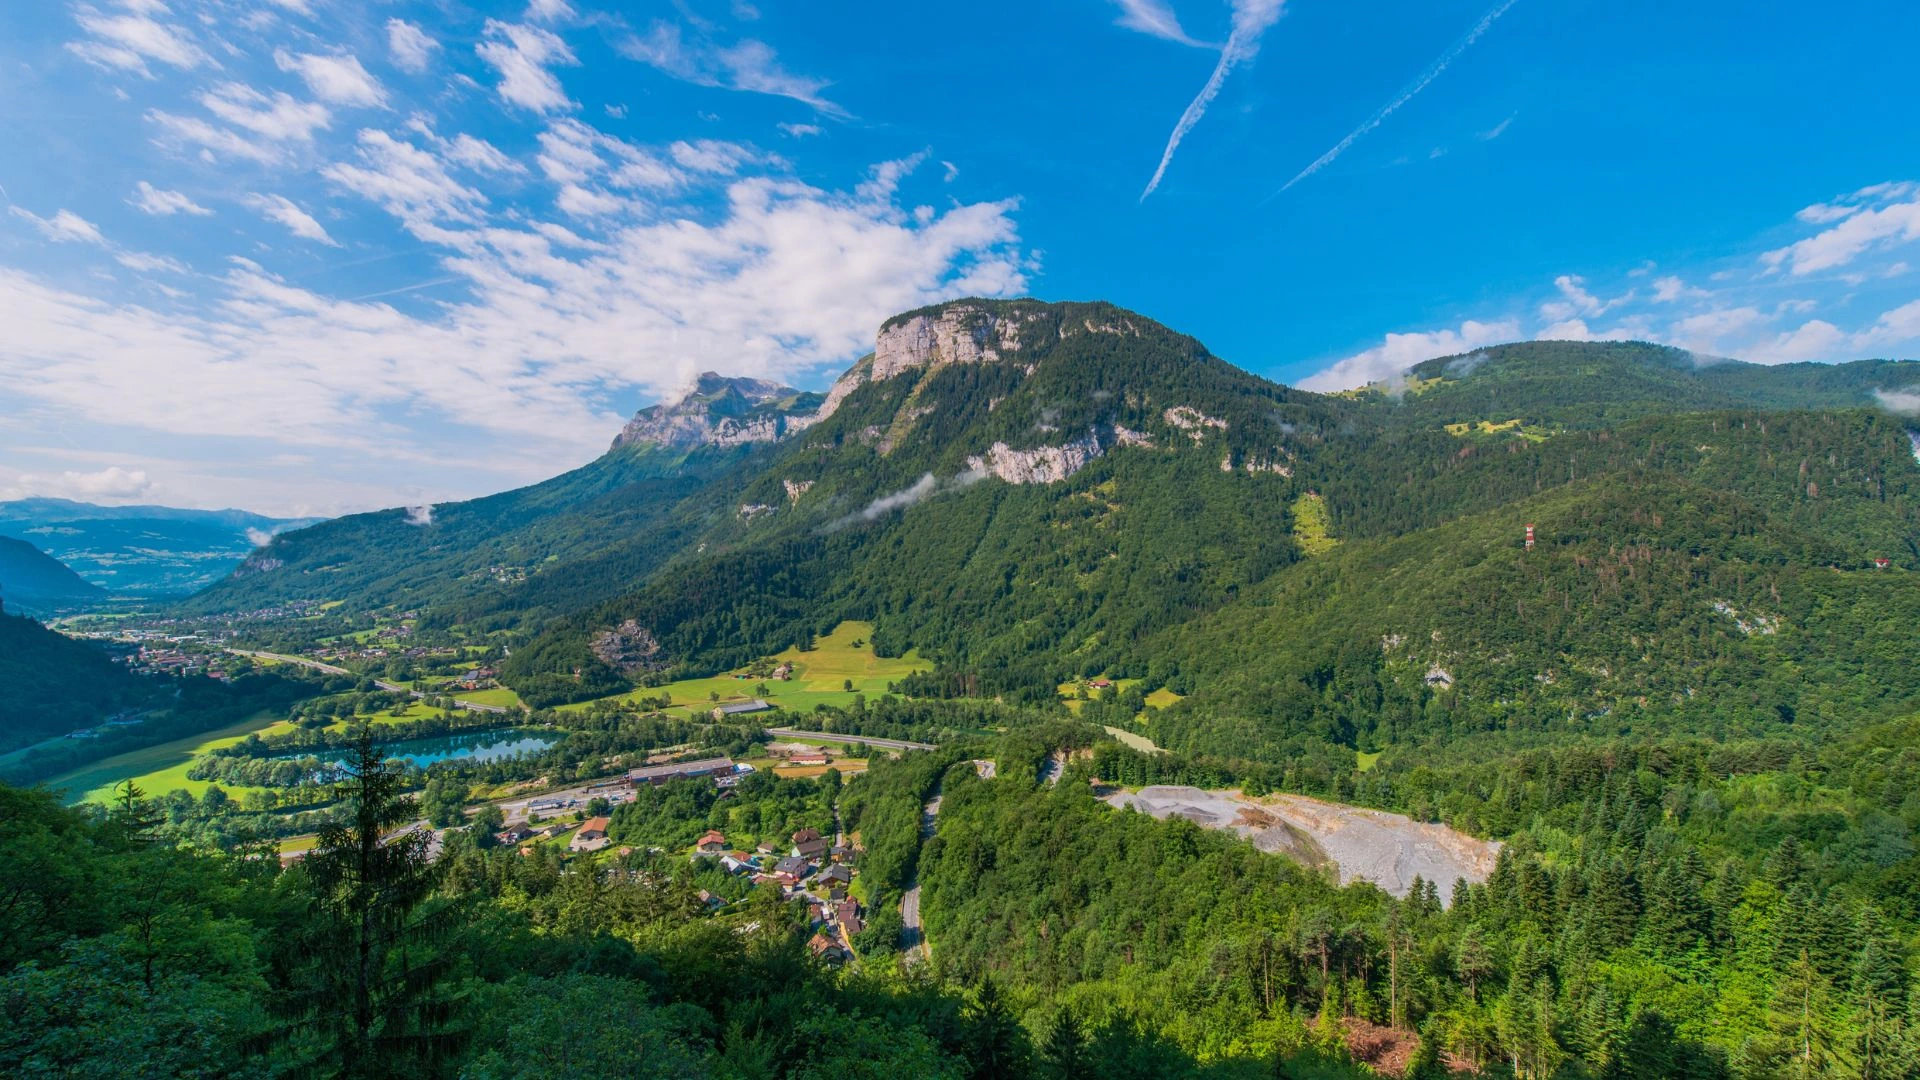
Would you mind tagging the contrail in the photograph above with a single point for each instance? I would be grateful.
(1419, 84)
(1251, 18)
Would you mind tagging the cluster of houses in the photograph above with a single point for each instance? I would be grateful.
(812, 869)
(591, 836)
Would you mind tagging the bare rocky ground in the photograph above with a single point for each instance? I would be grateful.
(1389, 850)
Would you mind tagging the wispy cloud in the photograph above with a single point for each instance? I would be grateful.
(283, 210)
(336, 77)
(64, 227)
(412, 50)
(746, 65)
(522, 55)
(1251, 20)
(1426, 78)
(1156, 18)
(152, 200)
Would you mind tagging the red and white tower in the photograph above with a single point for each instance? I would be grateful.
(1529, 538)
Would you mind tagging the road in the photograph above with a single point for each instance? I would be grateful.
(865, 740)
(391, 688)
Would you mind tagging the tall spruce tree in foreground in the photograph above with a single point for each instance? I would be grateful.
(368, 969)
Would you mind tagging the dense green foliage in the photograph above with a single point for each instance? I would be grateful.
(55, 684)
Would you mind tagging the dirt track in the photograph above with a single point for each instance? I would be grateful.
(1389, 850)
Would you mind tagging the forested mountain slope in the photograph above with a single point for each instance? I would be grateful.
(55, 684)
(1030, 493)
(32, 578)
(621, 513)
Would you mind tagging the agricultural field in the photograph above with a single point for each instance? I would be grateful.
(820, 677)
(497, 696)
(162, 768)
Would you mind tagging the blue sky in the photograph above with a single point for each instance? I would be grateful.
(320, 255)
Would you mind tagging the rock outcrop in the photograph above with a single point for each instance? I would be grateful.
(629, 648)
(722, 411)
(1050, 464)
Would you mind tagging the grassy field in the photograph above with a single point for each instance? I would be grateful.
(1364, 762)
(1137, 741)
(820, 676)
(499, 696)
(159, 769)
(1162, 698)
(1312, 527)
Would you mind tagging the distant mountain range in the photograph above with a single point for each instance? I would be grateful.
(142, 550)
(1031, 493)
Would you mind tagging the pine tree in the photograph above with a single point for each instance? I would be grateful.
(1064, 1056)
(367, 968)
(1879, 986)
(999, 1043)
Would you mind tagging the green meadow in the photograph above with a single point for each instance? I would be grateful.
(162, 768)
(820, 677)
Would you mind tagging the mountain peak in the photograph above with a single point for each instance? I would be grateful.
(721, 410)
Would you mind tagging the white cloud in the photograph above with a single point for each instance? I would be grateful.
(1712, 332)
(337, 78)
(1156, 18)
(408, 182)
(125, 42)
(522, 54)
(298, 7)
(64, 227)
(1904, 402)
(273, 119)
(550, 10)
(1496, 130)
(1576, 300)
(1671, 288)
(480, 155)
(110, 483)
(1251, 20)
(747, 65)
(1869, 219)
(412, 50)
(1815, 339)
(283, 210)
(615, 112)
(1901, 324)
(1401, 351)
(800, 131)
(153, 200)
(541, 354)
(145, 263)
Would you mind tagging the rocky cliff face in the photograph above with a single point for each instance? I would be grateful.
(722, 411)
(1049, 464)
(962, 332)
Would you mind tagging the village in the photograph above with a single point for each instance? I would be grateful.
(807, 868)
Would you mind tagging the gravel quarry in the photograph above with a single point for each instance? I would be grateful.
(1389, 850)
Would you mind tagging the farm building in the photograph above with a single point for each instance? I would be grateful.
(591, 837)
